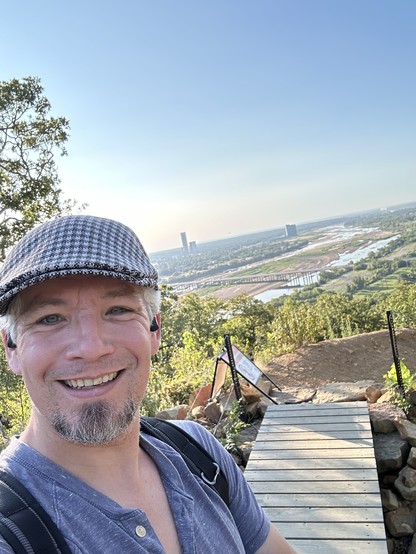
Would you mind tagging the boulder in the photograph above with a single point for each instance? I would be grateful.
(177, 412)
(213, 412)
(374, 392)
(342, 392)
(293, 395)
(407, 430)
(200, 397)
(402, 522)
(382, 417)
(389, 500)
(391, 451)
(406, 483)
(250, 393)
(411, 460)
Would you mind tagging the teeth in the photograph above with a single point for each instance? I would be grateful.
(82, 383)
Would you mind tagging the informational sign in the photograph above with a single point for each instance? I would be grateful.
(239, 364)
(245, 367)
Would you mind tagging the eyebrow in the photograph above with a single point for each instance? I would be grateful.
(125, 291)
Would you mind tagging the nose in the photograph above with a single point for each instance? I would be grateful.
(89, 339)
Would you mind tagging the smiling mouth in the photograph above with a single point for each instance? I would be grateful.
(88, 383)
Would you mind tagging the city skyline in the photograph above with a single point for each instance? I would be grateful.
(224, 118)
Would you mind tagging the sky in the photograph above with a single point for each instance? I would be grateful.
(224, 117)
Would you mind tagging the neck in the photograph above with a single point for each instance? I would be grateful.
(93, 464)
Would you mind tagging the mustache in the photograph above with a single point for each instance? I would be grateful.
(81, 368)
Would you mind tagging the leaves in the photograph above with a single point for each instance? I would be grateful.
(29, 140)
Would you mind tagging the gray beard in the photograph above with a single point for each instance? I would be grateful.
(97, 423)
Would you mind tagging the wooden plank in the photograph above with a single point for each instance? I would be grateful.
(321, 427)
(309, 500)
(306, 420)
(269, 435)
(338, 530)
(322, 407)
(327, 546)
(336, 444)
(353, 487)
(318, 453)
(313, 470)
(321, 463)
(330, 515)
(351, 474)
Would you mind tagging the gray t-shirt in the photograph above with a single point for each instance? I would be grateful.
(92, 523)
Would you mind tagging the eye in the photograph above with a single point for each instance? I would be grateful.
(51, 319)
(118, 310)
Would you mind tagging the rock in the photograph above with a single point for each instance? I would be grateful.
(252, 410)
(412, 547)
(342, 392)
(226, 400)
(265, 386)
(389, 500)
(407, 430)
(382, 417)
(198, 412)
(293, 395)
(263, 405)
(411, 460)
(200, 397)
(250, 393)
(402, 522)
(177, 412)
(391, 451)
(373, 392)
(245, 441)
(213, 412)
(387, 397)
(406, 483)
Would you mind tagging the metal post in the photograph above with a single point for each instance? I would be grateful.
(396, 357)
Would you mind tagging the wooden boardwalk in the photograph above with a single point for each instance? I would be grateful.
(313, 470)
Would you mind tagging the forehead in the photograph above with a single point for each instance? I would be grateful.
(57, 290)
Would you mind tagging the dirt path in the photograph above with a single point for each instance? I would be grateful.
(366, 356)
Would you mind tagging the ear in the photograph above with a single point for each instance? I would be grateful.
(155, 337)
(11, 355)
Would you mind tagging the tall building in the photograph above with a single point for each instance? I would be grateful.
(192, 247)
(291, 230)
(185, 246)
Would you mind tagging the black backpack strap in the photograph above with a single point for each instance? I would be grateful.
(198, 460)
(24, 523)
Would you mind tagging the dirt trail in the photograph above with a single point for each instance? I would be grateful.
(366, 356)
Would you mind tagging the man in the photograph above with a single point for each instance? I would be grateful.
(80, 322)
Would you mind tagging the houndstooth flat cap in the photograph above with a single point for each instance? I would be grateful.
(75, 245)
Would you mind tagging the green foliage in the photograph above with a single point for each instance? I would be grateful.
(247, 322)
(14, 400)
(409, 384)
(233, 427)
(408, 378)
(402, 301)
(29, 138)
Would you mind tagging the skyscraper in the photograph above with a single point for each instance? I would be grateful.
(185, 246)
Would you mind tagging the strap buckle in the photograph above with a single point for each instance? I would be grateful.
(206, 480)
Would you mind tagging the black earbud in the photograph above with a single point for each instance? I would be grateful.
(10, 343)
(154, 326)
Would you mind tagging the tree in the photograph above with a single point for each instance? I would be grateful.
(29, 138)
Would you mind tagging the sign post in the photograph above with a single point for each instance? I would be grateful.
(239, 364)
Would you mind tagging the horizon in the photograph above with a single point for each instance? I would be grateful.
(407, 205)
(220, 119)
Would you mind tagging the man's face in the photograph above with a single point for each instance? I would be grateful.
(83, 348)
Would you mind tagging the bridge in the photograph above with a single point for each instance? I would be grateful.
(313, 470)
(292, 279)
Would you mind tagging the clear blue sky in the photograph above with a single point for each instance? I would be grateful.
(224, 117)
